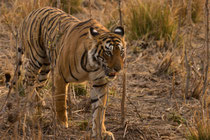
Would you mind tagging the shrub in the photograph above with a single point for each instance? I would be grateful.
(72, 6)
(180, 8)
(13, 11)
(201, 131)
(150, 19)
(80, 89)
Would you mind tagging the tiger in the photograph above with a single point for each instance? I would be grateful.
(79, 51)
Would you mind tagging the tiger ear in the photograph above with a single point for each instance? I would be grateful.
(93, 32)
(119, 30)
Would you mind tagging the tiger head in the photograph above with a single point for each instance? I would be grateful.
(109, 50)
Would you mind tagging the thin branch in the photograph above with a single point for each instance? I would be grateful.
(189, 12)
(135, 107)
(207, 46)
(10, 27)
(187, 63)
(59, 4)
(120, 13)
(124, 77)
(90, 11)
(205, 82)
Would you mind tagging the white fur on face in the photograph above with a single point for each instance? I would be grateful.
(90, 59)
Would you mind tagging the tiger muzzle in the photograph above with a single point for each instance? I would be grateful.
(112, 72)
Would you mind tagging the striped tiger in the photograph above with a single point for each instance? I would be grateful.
(83, 51)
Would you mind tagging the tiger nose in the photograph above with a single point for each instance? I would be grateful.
(117, 68)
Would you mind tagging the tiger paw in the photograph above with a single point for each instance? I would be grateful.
(62, 119)
(63, 124)
(108, 136)
(105, 136)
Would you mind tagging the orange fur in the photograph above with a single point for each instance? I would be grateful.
(84, 51)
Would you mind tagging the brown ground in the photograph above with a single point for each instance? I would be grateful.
(155, 107)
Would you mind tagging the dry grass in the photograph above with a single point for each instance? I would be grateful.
(14, 11)
(69, 6)
(201, 130)
(148, 93)
(150, 19)
(179, 8)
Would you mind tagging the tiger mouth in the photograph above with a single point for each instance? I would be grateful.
(111, 75)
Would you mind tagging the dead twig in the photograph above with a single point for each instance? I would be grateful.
(189, 12)
(120, 13)
(187, 64)
(125, 130)
(90, 11)
(59, 4)
(205, 76)
(135, 107)
(124, 77)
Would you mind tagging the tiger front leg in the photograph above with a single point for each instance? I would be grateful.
(60, 101)
(99, 95)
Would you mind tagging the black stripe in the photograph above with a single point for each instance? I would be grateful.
(75, 63)
(64, 25)
(86, 28)
(104, 39)
(95, 100)
(33, 58)
(98, 78)
(44, 72)
(42, 80)
(43, 52)
(43, 21)
(30, 70)
(69, 19)
(83, 35)
(80, 24)
(29, 76)
(54, 19)
(113, 37)
(108, 41)
(39, 37)
(48, 11)
(33, 64)
(59, 20)
(96, 50)
(117, 41)
(40, 27)
(75, 58)
(62, 75)
(96, 86)
(72, 73)
(66, 28)
(65, 21)
(35, 12)
(32, 39)
(46, 64)
(33, 54)
(55, 55)
(62, 46)
(56, 25)
(83, 62)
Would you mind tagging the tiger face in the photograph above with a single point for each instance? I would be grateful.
(109, 50)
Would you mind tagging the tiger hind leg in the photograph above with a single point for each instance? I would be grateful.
(42, 78)
(35, 77)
